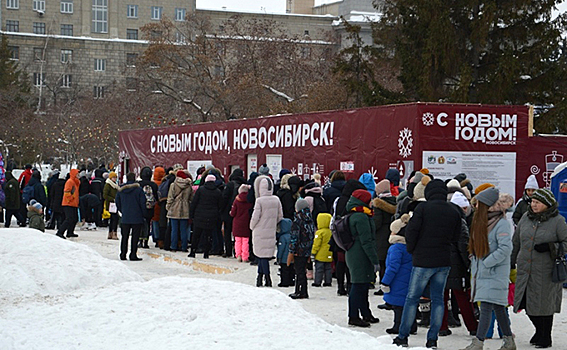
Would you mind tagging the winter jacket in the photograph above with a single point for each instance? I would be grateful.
(321, 248)
(267, 213)
(24, 178)
(179, 199)
(313, 194)
(89, 200)
(97, 184)
(361, 257)
(240, 212)
(146, 176)
(543, 297)
(283, 237)
(459, 276)
(521, 208)
(56, 196)
(38, 191)
(230, 192)
(398, 271)
(36, 219)
(84, 186)
(333, 192)
(159, 173)
(109, 194)
(12, 192)
(131, 202)
(384, 210)
(71, 191)
(302, 234)
(490, 276)
(350, 186)
(288, 194)
(206, 206)
(368, 181)
(429, 239)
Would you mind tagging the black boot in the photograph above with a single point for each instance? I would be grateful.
(268, 281)
(192, 254)
(259, 280)
(145, 245)
(357, 322)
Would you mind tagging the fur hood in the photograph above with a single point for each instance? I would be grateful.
(128, 186)
(393, 239)
(263, 186)
(384, 205)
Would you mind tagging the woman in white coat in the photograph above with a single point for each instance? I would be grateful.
(265, 218)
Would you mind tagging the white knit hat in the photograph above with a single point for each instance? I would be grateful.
(460, 200)
(531, 183)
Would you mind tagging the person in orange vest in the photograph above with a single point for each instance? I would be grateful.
(70, 205)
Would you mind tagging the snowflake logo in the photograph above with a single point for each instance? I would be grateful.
(373, 172)
(427, 119)
(405, 142)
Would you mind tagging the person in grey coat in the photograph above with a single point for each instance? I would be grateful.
(490, 245)
(537, 236)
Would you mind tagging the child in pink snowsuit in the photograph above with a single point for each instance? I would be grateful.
(241, 223)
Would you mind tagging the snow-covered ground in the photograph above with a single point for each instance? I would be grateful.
(77, 294)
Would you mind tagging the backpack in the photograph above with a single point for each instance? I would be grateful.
(150, 198)
(341, 232)
(163, 189)
(27, 194)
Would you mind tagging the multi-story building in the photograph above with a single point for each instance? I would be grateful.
(86, 46)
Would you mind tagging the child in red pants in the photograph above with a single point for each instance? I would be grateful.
(240, 211)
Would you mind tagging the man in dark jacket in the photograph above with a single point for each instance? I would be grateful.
(97, 186)
(38, 189)
(430, 233)
(334, 190)
(228, 195)
(131, 202)
(150, 189)
(205, 212)
(55, 199)
(13, 199)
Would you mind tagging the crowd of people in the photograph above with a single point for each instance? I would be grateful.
(436, 249)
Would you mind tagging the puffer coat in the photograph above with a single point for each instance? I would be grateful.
(543, 297)
(179, 199)
(267, 213)
(206, 206)
(384, 210)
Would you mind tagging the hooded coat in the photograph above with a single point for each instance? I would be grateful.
(12, 192)
(231, 191)
(131, 202)
(289, 186)
(543, 297)
(333, 192)
(350, 186)
(146, 176)
(265, 218)
(302, 234)
(368, 181)
(240, 212)
(159, 173)
(56, 196)
(206, 206)
(38, 189)
(71, 190)
(313, 194)
(284, 239)
(459, 276)
(321, 248)
(361, 257)
(179, 199)
(36, 219)
(398, 271)
(97, 184)
(384, 210)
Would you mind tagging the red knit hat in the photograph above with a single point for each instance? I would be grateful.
(362, 195)
(181, 173)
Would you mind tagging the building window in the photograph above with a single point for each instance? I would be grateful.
(38, 28)
(131, 59)
(132, 34)
(66, 6)
(66, 80)
(13, 4)
(180, 14)
(38, 53)
(180, 38)
(39, 5)
(100, 16)
(132, 11)
(131, 84)
(66, 56)
(100, 64)
(14, 52)
(12, 26)
(156, 12)
(98, 91)
(306, 33)
(39, 79)
(67, 29)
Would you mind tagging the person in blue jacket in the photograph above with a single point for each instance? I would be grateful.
(395, 282)
(283, 235)
(368, 181)
(131, 203)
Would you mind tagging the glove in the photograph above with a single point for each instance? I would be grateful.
(385, 288)
(542, 247)
(289, 259)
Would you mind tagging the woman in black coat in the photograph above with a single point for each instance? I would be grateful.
(55, 199)
(205, 213)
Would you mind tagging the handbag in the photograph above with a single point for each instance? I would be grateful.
(112, 208)
(559, 274)
(105, 213)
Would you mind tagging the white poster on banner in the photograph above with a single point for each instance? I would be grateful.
(274, 162)
(193, 165)
(498, 168)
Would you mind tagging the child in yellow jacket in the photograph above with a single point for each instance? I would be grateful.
(321, 251)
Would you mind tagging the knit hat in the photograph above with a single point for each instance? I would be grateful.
(264, 170)
(531, 183)
(105, 175)
(424, 171)
(400, 223)
(284, 172)
(545, 196)
(436, 190)
(460, 200)
(243, 189)
(454, 185)
(177, 167)
(112, 174)
(482, 187)
(419, 190)
(301, 204)
(383, 187)
(362, 195)
(181, 173)
(210, 177)
(489, 196)
(417, 177)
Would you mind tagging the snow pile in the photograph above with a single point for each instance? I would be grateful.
(32, 262)
(181, 312)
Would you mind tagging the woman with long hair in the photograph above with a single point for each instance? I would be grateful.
(490, 245)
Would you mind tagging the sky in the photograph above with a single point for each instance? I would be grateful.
(271, 6)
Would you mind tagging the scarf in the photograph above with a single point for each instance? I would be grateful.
(544, 215)
(112, 183)
(362, 209)
(493, 218)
